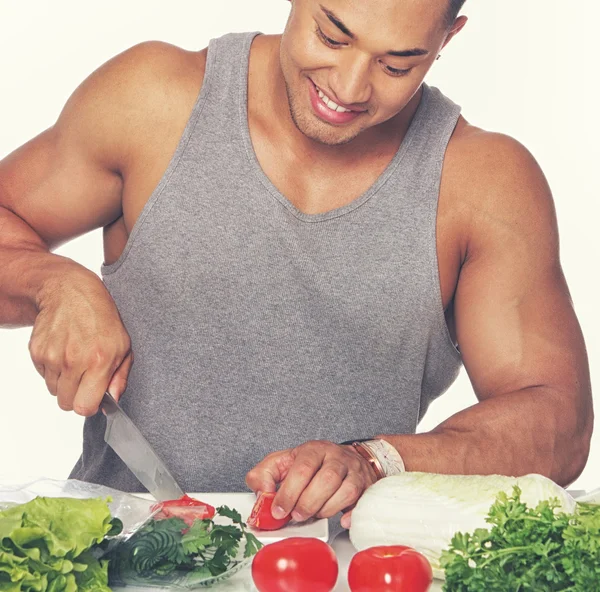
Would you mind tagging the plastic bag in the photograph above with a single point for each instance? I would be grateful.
(132, 510)
(137, 515)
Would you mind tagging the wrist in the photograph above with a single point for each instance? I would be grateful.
(383, 458)
(359, 448)
(59, 275)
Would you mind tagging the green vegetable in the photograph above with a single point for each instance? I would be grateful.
(45, 543)
(540, 549)
(167, 551)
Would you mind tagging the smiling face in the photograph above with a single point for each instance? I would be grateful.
(350, 65)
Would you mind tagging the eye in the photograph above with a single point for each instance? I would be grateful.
(327, 40)
(395, 71)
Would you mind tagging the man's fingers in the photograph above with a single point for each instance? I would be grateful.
(271, 471)
(346, 520)
(344, 498)
(301, 473)
(91, 390)
(325, 485)
(51, 377)
(118, 382)
(68, 383)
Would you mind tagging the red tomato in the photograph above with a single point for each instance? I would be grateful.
(186, 508)
(392, 568)
(261, 516)
(296, 564)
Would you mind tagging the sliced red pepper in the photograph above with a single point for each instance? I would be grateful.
(261, 516)
(186, 508)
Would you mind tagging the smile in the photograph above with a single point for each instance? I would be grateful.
(330, 103)
(326, 109)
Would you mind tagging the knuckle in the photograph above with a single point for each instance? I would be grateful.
(309, 445)
(126, 344)
(98, 356)
(52, 357)
(331, 475)
(305, 469)
(327, 512)
(305, 509)
(252, 475)
(34, 347)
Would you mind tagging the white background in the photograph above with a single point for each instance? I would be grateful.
(524, 67)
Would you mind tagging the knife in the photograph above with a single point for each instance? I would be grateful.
(135, 451)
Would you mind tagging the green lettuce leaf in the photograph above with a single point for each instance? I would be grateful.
(44, 546)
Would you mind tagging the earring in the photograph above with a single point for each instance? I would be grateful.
(439, 56)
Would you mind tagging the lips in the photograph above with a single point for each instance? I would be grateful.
(323, 110)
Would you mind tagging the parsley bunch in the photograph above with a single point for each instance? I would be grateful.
(527, 549)
(167, 551)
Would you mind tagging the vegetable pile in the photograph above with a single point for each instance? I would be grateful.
(425, 510)
(169, 551)
(45, 545)
(539, 549)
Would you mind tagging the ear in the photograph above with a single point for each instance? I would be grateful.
(459, 23)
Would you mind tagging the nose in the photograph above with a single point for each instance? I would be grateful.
(350, 79)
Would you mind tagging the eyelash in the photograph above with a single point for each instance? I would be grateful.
(326, 40)
(337, 44)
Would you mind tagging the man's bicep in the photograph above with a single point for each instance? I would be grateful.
(69, 179)
(57, 188)
(515, 322)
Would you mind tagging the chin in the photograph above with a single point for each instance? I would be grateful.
(314, 128)
(321, 132)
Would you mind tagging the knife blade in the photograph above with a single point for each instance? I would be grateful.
(135, 451)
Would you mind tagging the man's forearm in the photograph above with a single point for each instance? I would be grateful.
(27, 271)
(25, 275)
(535, 430)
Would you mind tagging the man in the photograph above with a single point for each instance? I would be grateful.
(297, 234)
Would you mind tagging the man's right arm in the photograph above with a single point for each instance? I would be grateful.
(63, 183)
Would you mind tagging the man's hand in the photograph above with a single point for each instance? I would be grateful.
(317, 479)
(79, 344)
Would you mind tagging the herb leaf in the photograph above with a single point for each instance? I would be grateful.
(167, 546)
(538, 549)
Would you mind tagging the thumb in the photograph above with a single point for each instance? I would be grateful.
(118, 382)
(346, 520)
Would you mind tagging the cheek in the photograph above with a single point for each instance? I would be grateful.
(304, 52)
(392, 98)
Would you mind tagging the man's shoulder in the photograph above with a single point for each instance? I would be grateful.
(142, 93)
(494, 172)
(493, 187)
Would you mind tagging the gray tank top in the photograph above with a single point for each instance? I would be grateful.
(257, 327)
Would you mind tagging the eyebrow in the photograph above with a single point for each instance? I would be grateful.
(403, 53)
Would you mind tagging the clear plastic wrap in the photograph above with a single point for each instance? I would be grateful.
(138, 517)
(132, 510)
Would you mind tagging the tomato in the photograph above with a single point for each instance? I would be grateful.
(392, 568)
(261, 516)
(186, 508)
(297, 564)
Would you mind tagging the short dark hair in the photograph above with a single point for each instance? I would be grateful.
(453, 10)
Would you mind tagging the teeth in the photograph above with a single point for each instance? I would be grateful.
(333, 106)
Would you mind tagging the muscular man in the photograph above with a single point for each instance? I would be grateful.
(303, 243)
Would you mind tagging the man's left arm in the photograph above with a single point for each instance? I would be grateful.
(520, 342)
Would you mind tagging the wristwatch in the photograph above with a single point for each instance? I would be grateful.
(380, 454)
